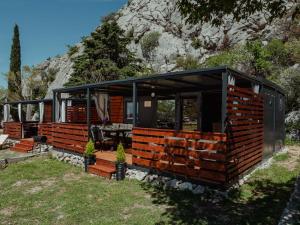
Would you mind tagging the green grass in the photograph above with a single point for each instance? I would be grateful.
(281, 157)
(45, 191)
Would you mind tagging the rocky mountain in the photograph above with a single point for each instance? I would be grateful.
(139, 17)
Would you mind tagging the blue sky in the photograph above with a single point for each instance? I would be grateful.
(47, 26)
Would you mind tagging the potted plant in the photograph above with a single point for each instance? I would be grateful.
(89, 157)
(120, 163)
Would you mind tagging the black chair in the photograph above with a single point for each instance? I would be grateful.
(98, 137)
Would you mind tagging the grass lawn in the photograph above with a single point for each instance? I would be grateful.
(46, 191)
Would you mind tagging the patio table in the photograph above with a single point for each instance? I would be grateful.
(117, 131)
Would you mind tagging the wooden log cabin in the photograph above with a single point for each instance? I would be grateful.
(209, 125)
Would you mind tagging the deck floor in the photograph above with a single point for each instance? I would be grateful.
(111, 156)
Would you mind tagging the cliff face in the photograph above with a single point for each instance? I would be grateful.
(143, 16)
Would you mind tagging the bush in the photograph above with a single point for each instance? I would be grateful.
(196, 43)
(292, 122)
(148, 44)
(72, 50)
(187, 63)
(121, 157)
(89, 148)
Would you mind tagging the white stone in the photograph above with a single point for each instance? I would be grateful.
(185, 186)
(198, 190)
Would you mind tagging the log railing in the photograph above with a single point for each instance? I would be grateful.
(195, 155)
(13, 129)
(72, 137)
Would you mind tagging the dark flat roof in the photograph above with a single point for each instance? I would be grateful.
(179, 77)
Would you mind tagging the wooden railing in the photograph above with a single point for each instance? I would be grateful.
(13, 129)
(244, 129)
(45, 129)
(196, 155)
(77, 114)
(72, 137)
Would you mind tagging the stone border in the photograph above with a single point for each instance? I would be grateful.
(68, 157)
(291, 214)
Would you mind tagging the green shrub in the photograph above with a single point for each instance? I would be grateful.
(196, 43)
(148, 44)
(72, 50)
(121, 157)
(89, 148)
(187, 63)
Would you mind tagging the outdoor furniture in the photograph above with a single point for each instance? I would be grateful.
(40, 141)
(118, 133)
(4, 141)
(98, 137)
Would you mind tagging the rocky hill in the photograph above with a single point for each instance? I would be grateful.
(140, 17)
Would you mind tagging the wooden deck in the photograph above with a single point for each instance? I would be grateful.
(111, 156)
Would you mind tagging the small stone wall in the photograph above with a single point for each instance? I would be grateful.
(68, 157)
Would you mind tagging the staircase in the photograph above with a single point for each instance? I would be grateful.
(105, 164)
(24, 146)
(103, 168)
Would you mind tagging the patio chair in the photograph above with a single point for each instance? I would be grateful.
(4, 141)
(98, 137)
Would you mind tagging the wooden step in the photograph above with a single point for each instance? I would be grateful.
(20, 149)
(102, 170)
(104, 162)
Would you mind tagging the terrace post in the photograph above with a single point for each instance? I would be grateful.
(134, 102)
(224, 100)
(88, 110)
(178, 111)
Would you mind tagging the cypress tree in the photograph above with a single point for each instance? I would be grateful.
(14, 75)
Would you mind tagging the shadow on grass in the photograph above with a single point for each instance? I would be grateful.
(261, 203)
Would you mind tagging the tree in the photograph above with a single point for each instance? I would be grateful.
(14, 75)
(105, 56)
(214, 11)
(149, 43)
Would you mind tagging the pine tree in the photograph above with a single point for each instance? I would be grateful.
(14, 75)
(105, 56)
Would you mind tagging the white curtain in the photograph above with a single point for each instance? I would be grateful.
(231, 80)
(63, 111)
(28, 112)
(6, 112)
(101, 102)
(20, 112)
(57, 109)
(256, 88)
(41, 109)
(69, 103)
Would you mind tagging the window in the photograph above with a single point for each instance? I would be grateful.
(190, 113)
(129, 110)
(166, 113)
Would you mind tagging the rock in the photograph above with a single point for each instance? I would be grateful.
(141, 17)
(198, 190)
(185, 186)
(151, 177)
(171, 184)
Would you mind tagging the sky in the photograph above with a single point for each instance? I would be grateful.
(48, 26)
